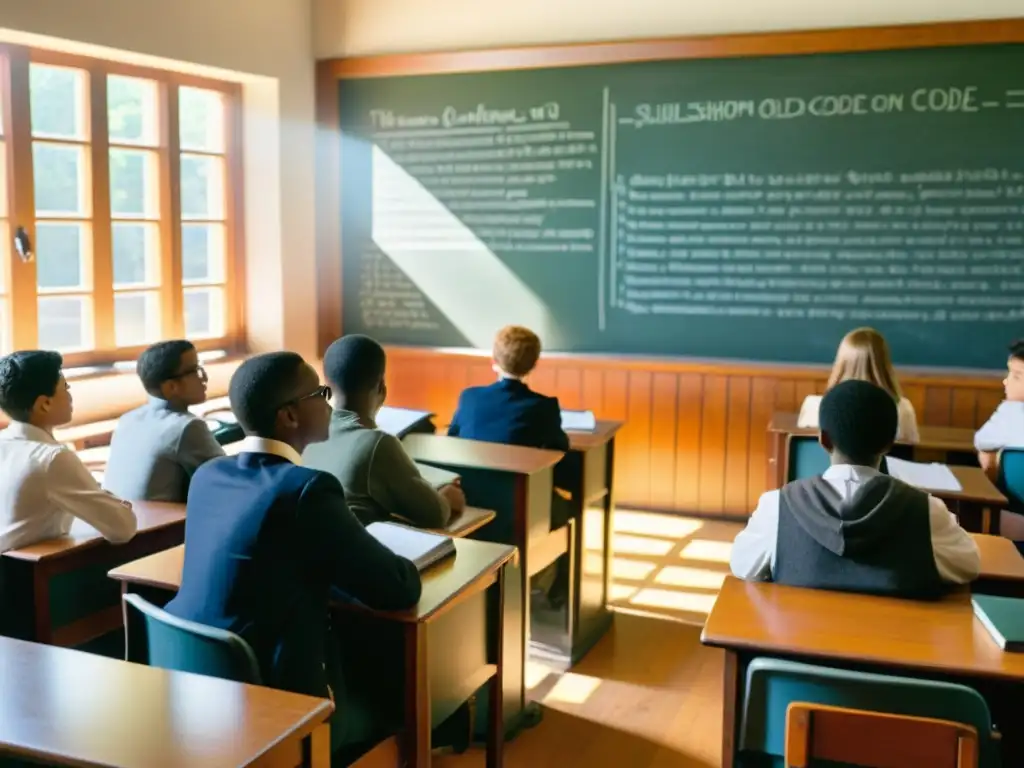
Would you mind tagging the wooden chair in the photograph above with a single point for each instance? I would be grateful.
(876, 739)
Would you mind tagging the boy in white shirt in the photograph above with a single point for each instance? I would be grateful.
(43, 484)
(1005, 427)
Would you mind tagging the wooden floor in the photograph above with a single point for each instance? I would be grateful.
(648, 695)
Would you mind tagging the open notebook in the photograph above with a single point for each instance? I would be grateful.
(578, 421)
(436, 476)
(424, 549)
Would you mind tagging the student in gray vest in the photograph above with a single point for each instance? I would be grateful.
(157, 448)
(855, 529)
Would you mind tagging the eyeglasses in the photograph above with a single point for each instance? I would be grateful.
(197, 371)
(323, 392)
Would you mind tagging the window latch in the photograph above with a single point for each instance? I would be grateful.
(23, 245)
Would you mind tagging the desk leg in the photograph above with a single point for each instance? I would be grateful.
(316, 748)
(417, 697)
(730, 703)
(496, 697)
(41, 603)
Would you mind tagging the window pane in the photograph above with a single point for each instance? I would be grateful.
(201, 119)
(204, 313)
(136, 254)
(133, 184)
(59, 180)
(64, 323)
(202, 187)
(57, 98)
(202, 253)
(61, 256)
(131, 110)
(136, 318)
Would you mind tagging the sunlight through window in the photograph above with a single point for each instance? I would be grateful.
(621, 592)
(633, 570)
(690, 602)
(636, 545)
(704, 549)
(535, 674)
(655, 525)
(697, 578)
(572, 689)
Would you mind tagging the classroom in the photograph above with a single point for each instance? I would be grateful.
(585, 383)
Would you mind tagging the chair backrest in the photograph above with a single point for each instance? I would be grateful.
(155, 637)
(806, 458)
(876, 739)
(773, 684)
(1011, 477)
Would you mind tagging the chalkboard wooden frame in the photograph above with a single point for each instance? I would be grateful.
(332, 71)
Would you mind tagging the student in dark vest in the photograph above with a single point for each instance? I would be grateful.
(266, 541)
(854, 529)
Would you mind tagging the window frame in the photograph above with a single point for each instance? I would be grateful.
(15, 62)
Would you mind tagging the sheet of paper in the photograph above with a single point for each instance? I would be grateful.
(929, 477)
(578, 421)
(395, 421)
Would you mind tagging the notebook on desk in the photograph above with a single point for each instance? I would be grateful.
(424, 549)
(579, 421)
(1003, 617)
(436, 476)
(400, 421)
(927, 477)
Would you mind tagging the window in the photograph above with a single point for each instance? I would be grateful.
(123, 180)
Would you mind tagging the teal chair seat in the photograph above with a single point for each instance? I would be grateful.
(806, 458)
(155, 637)
(773, 684)
(1011, 477)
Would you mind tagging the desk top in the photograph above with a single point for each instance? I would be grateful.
(456, 451)
(604, 431)
(1000, 558)
(936, 438)
(152, 516)
(940, 636)
(81, 709)
(976, 487)
(444, 583)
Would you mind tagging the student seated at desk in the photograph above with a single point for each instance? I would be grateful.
(864, 355)
(43, 484)
(508, 411)
(855, 529)
(157, 448)
(1005, 427)
(379, 478)
(267, 539)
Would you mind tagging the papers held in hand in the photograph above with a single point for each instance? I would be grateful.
(424, 549)
(578, 421)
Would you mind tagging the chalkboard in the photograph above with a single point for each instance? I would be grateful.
(743, 208)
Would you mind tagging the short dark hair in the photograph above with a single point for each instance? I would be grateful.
(160, 363)
(1017, 349)
(861, 420)
(260, 387)
(355, 363)
(25, 377)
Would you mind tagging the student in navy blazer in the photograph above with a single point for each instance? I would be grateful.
(266, 541)
(508, 411)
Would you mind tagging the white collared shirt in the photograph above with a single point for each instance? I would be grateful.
(906, 432)
(253, 444)
(753, 552)
(44, 486)
(1004, 428)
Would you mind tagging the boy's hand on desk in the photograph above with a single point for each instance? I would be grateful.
(454, 496)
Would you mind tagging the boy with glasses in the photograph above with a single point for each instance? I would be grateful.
(157, 448)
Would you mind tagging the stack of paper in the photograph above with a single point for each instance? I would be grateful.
(424, 549)
(928, 477)
(578, 421)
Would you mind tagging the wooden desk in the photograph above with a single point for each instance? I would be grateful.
(978, 503)
(467, 522)
(86, 435)
(62, 585)
(936, 444)
(517, 483)
(1002, 567)
(935, 639)
(461, 607)
(79, 709)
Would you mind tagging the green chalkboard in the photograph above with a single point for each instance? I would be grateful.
(746, 208)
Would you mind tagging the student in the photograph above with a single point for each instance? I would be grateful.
(853, 528)
(157, 448)
(266, 540)
(864, 355)
(1005, 427)
(43, 484)
(508, 411)
(379, 478)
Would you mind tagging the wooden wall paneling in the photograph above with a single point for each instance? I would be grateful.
(480, 373)
(614, 405)
(915, 393)
(964, 408)
(543, 378)
(737, 445)
(785, 396)
(988, 401)
(592, 392)
(937, 406)
(569, 389)
(638, 436)
(762, 406)
(664, 444)
(802, 389)
(711, 483)
(689, 420)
